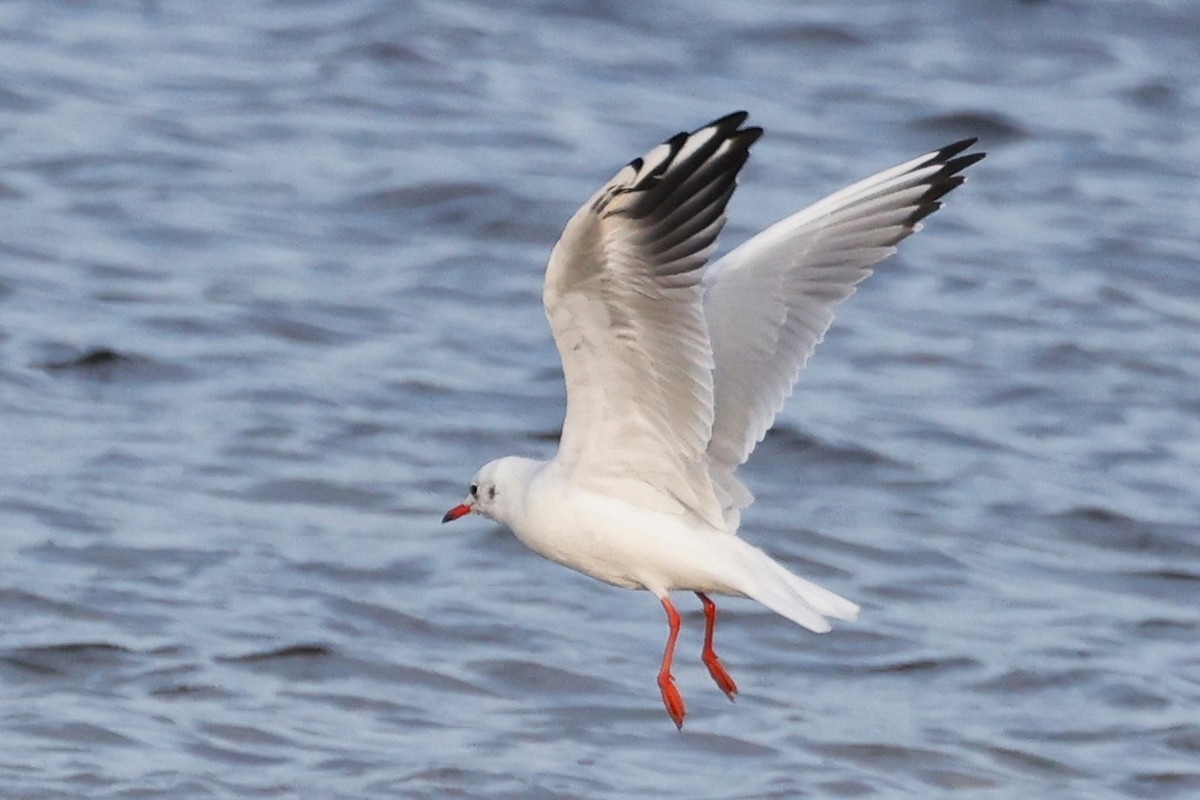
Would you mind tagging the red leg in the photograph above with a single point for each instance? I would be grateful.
(708, 655)
(666, 682)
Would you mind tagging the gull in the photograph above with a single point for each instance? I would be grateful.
(675, 369)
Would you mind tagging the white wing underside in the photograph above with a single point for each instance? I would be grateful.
(770, 301)
(673, 376)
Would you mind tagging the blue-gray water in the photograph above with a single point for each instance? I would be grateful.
(270, 292)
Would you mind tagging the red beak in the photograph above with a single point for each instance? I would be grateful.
(460, 510)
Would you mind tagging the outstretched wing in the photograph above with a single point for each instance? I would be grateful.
(623, 295)
(769, 303)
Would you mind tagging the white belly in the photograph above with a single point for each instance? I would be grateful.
(630, 546)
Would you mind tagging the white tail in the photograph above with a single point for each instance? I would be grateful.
(803, 602)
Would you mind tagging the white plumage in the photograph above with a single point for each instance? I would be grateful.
(675, 371)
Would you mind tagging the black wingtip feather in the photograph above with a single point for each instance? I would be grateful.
(671, 173)
(946, 179)
(962, 162)
(728, 125)
(731, 121)
(954, 148)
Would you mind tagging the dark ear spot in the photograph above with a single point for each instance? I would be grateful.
(491, 493)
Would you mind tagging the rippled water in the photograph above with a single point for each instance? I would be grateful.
(269, 294)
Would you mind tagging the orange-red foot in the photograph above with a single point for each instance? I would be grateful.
(718, 673)
(708, 655)
(666, 684)
(672, 699)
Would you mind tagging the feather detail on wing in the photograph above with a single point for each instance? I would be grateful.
(769, 302)
(623, 295)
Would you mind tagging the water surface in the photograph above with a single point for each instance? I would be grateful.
(270, 292)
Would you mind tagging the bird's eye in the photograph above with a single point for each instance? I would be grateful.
(474, 490)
